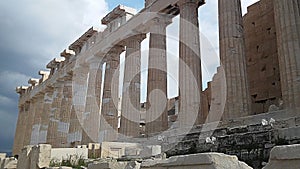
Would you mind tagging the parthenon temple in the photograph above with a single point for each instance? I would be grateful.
(77, 100)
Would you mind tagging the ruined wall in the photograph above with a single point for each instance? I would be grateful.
(251, 143)
(262, 57)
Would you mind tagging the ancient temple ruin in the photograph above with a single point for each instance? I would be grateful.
(76, 102)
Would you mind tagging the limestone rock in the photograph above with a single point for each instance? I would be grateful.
(287, 157)
(59, 154)
(205, 160)
(10, 163)
(24, 160)
(118, 147)
(150, 151)
(2, 155)
(40, 156)
(115, 165)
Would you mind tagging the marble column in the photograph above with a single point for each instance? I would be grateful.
(29, 107)
(54, 117)
(190, 77)
(37, 119)
(25, 122)
(20, 130)
(65, 113)
(45, 116)
(233, 59)
(131, 93)
(92, 106)
(287, 20)
(80, 87)
(75, 130)
(110, 99)
(156, 107)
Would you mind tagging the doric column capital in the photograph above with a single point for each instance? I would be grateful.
(67, 53)
(33, 81)
(117, 49)
(114, 52)
(21, 89)
(182, 3)
(136, 38)
(44, 74)
(161, 21)
(54, 63)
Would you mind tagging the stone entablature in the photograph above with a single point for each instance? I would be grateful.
(82, 41)
(119, 16)
(98, 41)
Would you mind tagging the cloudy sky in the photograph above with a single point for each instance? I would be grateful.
(32, 32)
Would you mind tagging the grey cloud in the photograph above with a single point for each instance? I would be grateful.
(10, 80)
(6, 101)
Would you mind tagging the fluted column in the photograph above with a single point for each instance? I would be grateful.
(65, 112)
(37, 119)
(45, 116)
(29, 106)
(92, 106)
(26, 121)
(233, 59)
(80, 84)
(287, 20)
(52, 132)
(110, 99)
(190, 77)
(131, 103)
(156, 107)
(20, 130)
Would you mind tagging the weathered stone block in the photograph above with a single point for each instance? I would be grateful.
(115, 165)
(115, 149)
(287, 157)
(285, 152)
(150, 151)
(93, 146)
(58, 154)
(24, 159)
(40, 156)
(289, 133)
(2, 155)
(196, 161)
(132, 151)
(94, 150)
(9, 163)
